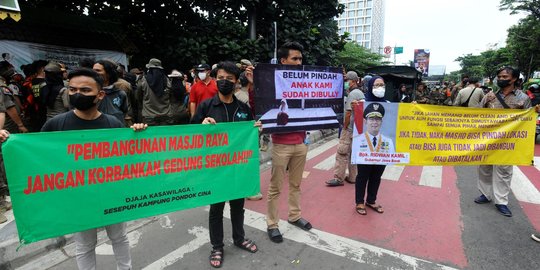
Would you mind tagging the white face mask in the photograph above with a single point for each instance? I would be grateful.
(192, 75)
(202, 75)
(379, 92)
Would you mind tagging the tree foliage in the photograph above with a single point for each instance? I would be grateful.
(486, 64)
(529, 6)
(357, 58)
(471, 65)
(522, 42)
(183, 33)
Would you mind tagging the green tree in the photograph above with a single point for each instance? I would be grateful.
(454, 76)
(530, 6)
(357, 58)
(471, 65)
(522, 43)
(492, 60)
(186, 32)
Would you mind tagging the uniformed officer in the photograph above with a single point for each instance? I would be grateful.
(372, 140)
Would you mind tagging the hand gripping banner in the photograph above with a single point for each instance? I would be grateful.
(415, 134)
(65, 182)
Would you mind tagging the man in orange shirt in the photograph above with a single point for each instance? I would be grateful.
(203, 89)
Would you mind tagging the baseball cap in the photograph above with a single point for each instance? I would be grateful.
(202, 67)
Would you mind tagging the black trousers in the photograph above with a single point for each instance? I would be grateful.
(368, 176)
(216, 222)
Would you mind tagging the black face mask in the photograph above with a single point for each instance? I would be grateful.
(82, 102)
(503, 83)
(225, 87)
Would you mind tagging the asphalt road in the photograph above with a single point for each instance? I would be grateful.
(428, 227)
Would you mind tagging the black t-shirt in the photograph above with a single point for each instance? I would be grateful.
(231, 109)
(70, 121)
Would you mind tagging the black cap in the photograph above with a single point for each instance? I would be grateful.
(202, 67)
(374, 110)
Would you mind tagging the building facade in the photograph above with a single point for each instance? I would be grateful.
(364, 21)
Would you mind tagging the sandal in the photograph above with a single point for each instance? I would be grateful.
(247, 245)
(302, 224)
(216, 256)
(274, 235)
(361, 209)
(377, 207)
(334, 183)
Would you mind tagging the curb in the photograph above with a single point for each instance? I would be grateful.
(10, 258)
(63, 248)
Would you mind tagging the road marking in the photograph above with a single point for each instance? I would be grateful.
(393, 172)
(165, 222)
(431, 176)
(326, 164)
(201, 238)
(337, 245)
(537, 163)
(523, 189)
(321, 149)
(305, 174)
(106, 248)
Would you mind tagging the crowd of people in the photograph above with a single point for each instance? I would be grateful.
(102, 94)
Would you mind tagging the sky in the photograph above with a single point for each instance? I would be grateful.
(448, 28)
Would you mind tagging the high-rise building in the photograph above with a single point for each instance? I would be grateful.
(364, 21)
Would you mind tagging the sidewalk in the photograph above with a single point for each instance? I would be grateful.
(10, 258)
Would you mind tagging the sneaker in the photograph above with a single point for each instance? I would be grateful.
(536, 237)
(5, 206)
(503, 210)
(482, 199)
(255, 197)
(2, 218)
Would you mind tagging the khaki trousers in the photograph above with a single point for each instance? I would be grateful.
(343, 157)
(494, 182)
(292, 157)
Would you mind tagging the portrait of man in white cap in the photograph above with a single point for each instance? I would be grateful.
(372, 140)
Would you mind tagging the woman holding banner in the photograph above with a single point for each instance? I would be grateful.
(369, 175)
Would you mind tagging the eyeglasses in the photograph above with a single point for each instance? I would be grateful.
(379, 85)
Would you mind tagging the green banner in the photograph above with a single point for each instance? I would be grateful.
(65, 182)
(398, 50)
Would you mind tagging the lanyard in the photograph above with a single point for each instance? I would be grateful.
(371, 144)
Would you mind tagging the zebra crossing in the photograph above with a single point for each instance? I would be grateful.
(432, 176)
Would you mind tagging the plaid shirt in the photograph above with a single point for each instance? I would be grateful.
(515, 100)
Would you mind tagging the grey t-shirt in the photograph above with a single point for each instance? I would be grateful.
(355, 94)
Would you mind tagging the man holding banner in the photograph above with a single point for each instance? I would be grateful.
(85, 92)
(288, 152)
(494, 180)
(225, 107)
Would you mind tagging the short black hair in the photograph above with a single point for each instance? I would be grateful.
(28, 70)
(511, 70)
(110, 69)
(87, 63)
(39, 64)
(230, 68)
(87, 73)
(283, 51)
(473, 80)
